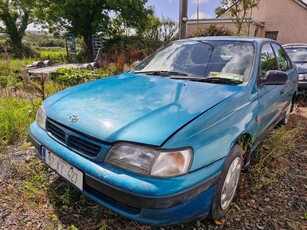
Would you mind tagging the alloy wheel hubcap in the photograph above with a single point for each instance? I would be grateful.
(231, 183)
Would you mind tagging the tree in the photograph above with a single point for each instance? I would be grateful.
(86, 17)
(220, 11)
(159, 29)
(238, 10)
(213, 31)
(16, 15)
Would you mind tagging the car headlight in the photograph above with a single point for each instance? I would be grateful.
(41, 117)
(302, 76)
(150, 161)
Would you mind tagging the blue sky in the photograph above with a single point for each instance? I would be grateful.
(170, 8)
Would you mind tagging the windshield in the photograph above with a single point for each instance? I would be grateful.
(298, 54)
(201, 59)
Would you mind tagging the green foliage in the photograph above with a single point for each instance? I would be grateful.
(67, 77)
(239, 10)
(14, 67)
(15, 117)
(16, 15)
(270, 156)
(3, 82)
(54, 55)
(131, 47)
(159, 29)
(220, 11)
(213, 31)
(84, 18)
(40, 41)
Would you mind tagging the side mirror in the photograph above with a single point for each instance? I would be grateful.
(274, 77)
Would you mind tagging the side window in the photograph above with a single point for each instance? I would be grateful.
(268, 60)
(282, 59)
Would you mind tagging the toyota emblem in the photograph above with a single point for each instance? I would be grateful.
(73, 118)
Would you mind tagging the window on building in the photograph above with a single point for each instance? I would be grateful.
(271, 34)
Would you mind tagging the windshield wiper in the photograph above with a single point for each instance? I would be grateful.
(221, 80)
(161, 73)
(212, 80)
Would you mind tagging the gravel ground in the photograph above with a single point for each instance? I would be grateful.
(29, 200)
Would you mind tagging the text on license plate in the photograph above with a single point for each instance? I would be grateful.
(63, 168)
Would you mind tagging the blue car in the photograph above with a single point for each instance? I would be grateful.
(166, 142)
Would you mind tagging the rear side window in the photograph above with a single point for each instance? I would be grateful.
(282, 59)
(268, 60)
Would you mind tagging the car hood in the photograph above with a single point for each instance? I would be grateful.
(301, 67)
(136, 108)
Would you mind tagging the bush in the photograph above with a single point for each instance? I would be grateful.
(15, 117)
(213, 31)
(69, 77)
(131, 47)
(54, 55)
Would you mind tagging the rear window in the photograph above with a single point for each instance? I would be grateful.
(297, 54)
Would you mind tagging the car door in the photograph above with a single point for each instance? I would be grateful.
(271, 97)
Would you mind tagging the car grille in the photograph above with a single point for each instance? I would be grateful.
(73, 139)
(83, 146)
(56, 132)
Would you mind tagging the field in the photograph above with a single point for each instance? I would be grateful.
(271, 193)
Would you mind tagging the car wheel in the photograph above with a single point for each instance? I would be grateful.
(228, 182)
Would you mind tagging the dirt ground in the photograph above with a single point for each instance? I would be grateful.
(32, 197)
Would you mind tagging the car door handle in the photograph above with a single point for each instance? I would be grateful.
(282, 91)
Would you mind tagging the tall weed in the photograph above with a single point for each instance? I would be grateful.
(16, 115)
(271, 158)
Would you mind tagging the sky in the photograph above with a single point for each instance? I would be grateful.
(170, 8)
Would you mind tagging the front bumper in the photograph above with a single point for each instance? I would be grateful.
(302, 85)
(152, 201)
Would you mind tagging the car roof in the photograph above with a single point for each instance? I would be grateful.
(229, 38)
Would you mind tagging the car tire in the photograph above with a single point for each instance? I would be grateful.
(227, 184)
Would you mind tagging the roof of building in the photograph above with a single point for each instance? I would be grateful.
(302, 3)
(224, 20)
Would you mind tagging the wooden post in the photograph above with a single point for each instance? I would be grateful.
(183, 17)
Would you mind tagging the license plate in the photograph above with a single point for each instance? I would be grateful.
(63, 168)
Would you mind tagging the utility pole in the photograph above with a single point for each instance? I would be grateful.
(183, 18)
(197, 10)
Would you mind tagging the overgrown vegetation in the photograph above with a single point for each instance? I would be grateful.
(16, 114)
(213, 30)
(270, 158)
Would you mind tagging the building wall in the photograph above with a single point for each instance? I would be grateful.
(285, 16)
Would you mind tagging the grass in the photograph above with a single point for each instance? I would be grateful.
(54, 55)
(270, 158)
(16, 114)
(10, 66)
